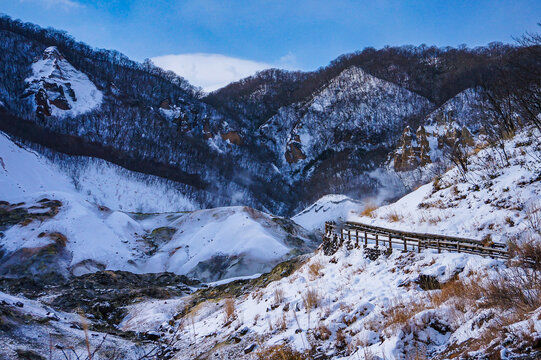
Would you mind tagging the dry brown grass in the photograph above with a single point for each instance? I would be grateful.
(341, 340)
(314, 269)
(438, 204)
(311, 299)
(436, 186)
(369, 210)
(280, 352)
(322, 332)
(257, 295)
(463, 293)
(229, 310)
(516, 288)
(526, 254)
(399, 314)
(426, 218)
(394, 216)
(278, 296)
(281, 323)
(84, 325)
(533, 216)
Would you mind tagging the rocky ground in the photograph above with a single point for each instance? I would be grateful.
(87, 308)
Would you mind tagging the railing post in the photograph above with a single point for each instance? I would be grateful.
(341, 237)
(418, 245)
(405, 244)
(457, 247)
(376, 240)
(365, 239)
(356, 238)
(349, 237)
(438, 245)
(390, 242)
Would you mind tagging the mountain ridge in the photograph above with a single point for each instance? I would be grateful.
(157, 123)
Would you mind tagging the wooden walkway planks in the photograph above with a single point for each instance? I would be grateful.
(356, 233)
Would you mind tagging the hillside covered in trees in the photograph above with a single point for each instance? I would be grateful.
(277, 140)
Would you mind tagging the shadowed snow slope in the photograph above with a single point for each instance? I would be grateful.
(23, 171)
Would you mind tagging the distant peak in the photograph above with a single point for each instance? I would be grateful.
(52, 52)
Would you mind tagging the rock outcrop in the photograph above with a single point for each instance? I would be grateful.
(233, 137)
(58, 89)
(413, 150)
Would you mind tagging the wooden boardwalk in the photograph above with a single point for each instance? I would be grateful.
(357, 234)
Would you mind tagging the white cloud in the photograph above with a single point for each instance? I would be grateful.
(66, 4)
(289, 61)
(210, 71)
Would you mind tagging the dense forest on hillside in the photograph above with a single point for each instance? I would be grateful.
(218, 145)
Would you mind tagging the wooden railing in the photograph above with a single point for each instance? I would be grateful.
(357, 234)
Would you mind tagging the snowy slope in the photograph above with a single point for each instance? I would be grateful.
(208, 244)
(23, 172)
(494, 197)
(228, 242)
(328, 208)
(117, 188)
(355, 302)
(60, 89)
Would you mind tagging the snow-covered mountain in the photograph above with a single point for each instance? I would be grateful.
(352, 108)
(278, 140)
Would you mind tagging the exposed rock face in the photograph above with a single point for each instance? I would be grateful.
(294, 153)
(454, 137)
(165, 104)
(42, 103)
(413, 150)
(233, 137)
(420, 156)
(466, 137)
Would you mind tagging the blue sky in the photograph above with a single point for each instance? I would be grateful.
(290, 34)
